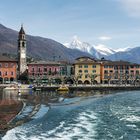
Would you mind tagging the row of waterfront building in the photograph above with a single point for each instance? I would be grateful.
(84, 70)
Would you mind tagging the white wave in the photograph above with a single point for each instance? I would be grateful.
(57, 128)
(14, 134)
(83, 127)
(132, 125)
(131, 118)
(42, 111)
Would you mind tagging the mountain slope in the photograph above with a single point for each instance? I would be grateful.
(48, 49)
(132, 55)
(37, 47)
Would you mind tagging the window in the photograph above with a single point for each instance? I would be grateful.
(80, 66)
(105, 76)
(0, 73)
(80, 76)
(63, 70)
(105, 66)
(131, 67)
(137, 66)
(110, 66)
(0, 65)
(80, 71)
(23, 44)
(12, 73)
(116, 67)
(50, 72)
(86, 71)
(33, 69)
(93, 66)
(6, 73)
(85, 66)
(45, 69)
(116, 72)
(86, 76)
(127, 72)
(6, 65)
(105, 71)
(39, 70)
(116, 77)
(111, 71)
(132, 71)
(94, 71)
(137, 72)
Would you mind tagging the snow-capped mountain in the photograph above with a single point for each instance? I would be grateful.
(97, 51)
(100, 50)
(124, 49)
(104, 50)
(77, 44)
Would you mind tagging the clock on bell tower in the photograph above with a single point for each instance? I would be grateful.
(21, 52)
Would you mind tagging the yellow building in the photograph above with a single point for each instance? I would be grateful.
(87, 70)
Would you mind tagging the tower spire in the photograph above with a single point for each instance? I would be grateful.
(21, 30)
(21, 33)
(21, 51)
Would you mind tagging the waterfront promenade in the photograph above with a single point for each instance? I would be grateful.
(83, 87)
(91, 87)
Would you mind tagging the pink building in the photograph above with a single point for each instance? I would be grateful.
(43, 70)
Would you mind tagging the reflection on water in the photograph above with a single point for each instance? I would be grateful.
(9, 108)
(28, 104)
(74, 115)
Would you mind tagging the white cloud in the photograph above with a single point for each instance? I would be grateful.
(132, 7)
(105, 38)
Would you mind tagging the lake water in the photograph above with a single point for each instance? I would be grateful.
(79, 115)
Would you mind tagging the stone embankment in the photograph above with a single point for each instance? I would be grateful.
(91, 87)
(84, 87)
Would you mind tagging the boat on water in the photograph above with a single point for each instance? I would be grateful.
(63, 88)
(16, 87)
(37, 89)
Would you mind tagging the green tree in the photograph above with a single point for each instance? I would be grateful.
(93, 77)
(76, 78)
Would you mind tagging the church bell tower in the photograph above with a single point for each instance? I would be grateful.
(22, 65)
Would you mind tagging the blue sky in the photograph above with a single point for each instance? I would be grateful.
(114, 23)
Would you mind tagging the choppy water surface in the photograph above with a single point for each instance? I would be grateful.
(47, 116)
